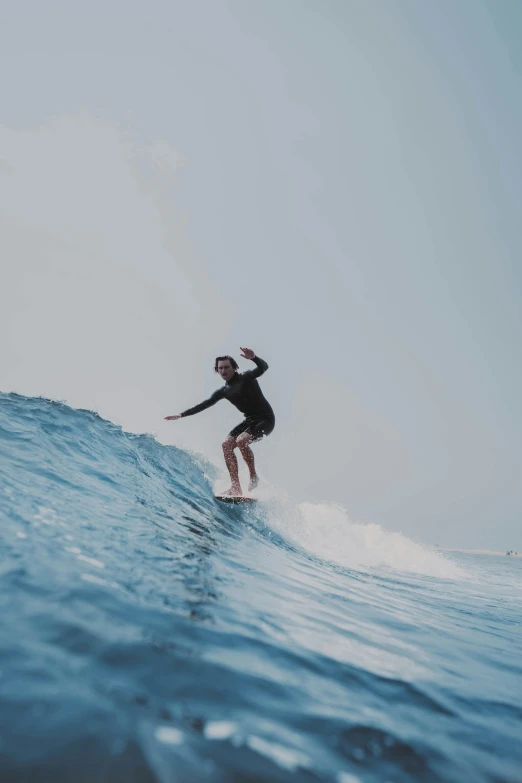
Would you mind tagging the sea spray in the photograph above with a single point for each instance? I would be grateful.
(325, 530)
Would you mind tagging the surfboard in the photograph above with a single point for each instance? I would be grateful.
(235, 499)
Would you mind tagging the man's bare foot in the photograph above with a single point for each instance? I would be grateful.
(254, 481)
(234, 491)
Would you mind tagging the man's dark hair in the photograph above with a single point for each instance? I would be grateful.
(232, 361)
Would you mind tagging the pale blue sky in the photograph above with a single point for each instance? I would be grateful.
(347, 201)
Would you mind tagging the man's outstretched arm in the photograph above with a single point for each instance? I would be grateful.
(198, 408)
(262, 366)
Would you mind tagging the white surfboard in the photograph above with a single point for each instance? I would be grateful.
(235, 499)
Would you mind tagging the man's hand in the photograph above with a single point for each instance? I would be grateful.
(173, 418)
(248, 353)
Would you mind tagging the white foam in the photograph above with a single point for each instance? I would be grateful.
(326, 531)
(220, 730)
(284, 757)
(92, 561)
(169, 735)
(96, 580)
(347, 777)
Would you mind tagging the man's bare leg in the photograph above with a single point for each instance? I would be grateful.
(231, 462)
(243, 441)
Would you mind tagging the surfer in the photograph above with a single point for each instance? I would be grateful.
(243, 391)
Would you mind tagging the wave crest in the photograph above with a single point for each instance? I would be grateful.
(325, 530)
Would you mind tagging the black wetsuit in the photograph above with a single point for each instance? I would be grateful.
(243, 391)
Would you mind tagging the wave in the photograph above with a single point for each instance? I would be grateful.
(152, 634)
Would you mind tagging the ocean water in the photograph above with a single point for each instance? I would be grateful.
(150, 633)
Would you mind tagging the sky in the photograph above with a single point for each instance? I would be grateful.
(334, 184)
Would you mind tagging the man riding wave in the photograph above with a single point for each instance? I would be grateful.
(243, 391)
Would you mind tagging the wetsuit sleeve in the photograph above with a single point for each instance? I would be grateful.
(218, 395)
(262, 367)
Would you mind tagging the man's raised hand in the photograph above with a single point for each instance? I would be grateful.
(248, 353)
(173, 418)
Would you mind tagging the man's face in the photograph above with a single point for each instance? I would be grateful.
(225, 369)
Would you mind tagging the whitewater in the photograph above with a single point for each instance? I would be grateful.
(151, 634)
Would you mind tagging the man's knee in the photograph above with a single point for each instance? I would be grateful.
(229, 444)
(243, 440)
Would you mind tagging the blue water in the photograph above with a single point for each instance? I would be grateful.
(151, 634)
